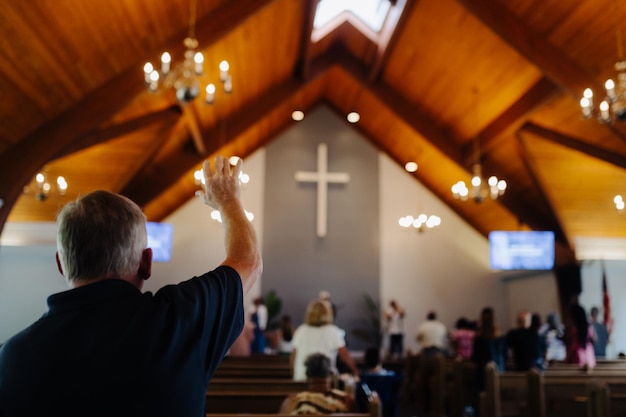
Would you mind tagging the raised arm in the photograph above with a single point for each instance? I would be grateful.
(222, 192)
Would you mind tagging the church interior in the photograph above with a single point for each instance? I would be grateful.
(441, 91)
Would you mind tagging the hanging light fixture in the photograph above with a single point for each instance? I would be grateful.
(613, 106)
(480, 189)
(185, 77)
(421, 222)
(42, 186)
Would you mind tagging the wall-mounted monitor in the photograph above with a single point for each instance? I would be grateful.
(160, 240)
(521, 250)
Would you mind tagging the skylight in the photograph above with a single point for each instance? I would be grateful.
(371, 12)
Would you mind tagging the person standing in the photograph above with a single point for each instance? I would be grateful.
(318, 334)
(394, 317)
(432, 335)
(601, 334)
(104, 348)
(578, 338)
(259, 319)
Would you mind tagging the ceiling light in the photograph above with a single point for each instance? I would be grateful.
(619, 202)
(411, 166)
(421, 222)
(613, 105)
(297, 115)
(480, 189)
(42, 186)
(353, 117)
(184, 78)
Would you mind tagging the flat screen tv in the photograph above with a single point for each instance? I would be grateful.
(160, 240)
(521, 250)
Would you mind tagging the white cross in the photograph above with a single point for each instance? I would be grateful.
(323, 178)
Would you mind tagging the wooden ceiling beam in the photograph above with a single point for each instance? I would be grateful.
(551, 60)
(508, 122)
(303, 68)
(560, 233)
(388, 35)
(576, 144)
(167, 115)
(191, 117)
(556, 66)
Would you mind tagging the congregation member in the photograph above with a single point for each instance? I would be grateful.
(394, 316)
(489, 346)
(432, 336)
(104, 348)
(319, 396)
(578, 338)
(552, 334)
(462, 339)
(318, 334)
(600, 334)
(259, 317)
(285, 335)
(524, 344)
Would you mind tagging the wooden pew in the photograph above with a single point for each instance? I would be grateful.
(553, 394)
(255, 366)
(256, 384)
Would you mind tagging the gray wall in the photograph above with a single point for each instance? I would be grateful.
(346, 261)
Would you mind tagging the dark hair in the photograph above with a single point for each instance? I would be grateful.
(462, 323)
(372, 357)
(431, 315)
(286, 328)
(579, 320)
(535, 321)
(487, 327)
(317, 366)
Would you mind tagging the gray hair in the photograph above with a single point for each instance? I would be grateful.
(101, 234)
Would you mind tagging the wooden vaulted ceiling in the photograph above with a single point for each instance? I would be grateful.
(440, 74)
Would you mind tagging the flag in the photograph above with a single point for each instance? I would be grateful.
(606, 301)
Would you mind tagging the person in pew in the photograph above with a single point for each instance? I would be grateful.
(462, 339)
(258, 316)
(524, 344)
(489, 346)
(285, 335)
(552, 334)
(578, 338)
(433, 336)
(104, 348)
(601, 334)
(319, 397)
(386, 383)
(318, 334)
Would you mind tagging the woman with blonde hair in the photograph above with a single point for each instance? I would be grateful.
(318, 334)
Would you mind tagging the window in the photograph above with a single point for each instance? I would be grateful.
(372, 12)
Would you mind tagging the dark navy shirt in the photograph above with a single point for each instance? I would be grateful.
(108, 349)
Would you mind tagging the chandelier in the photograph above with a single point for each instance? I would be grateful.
(613, 106)
(42, 186)
(480, 189)
(421, 222)
(184, 78)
